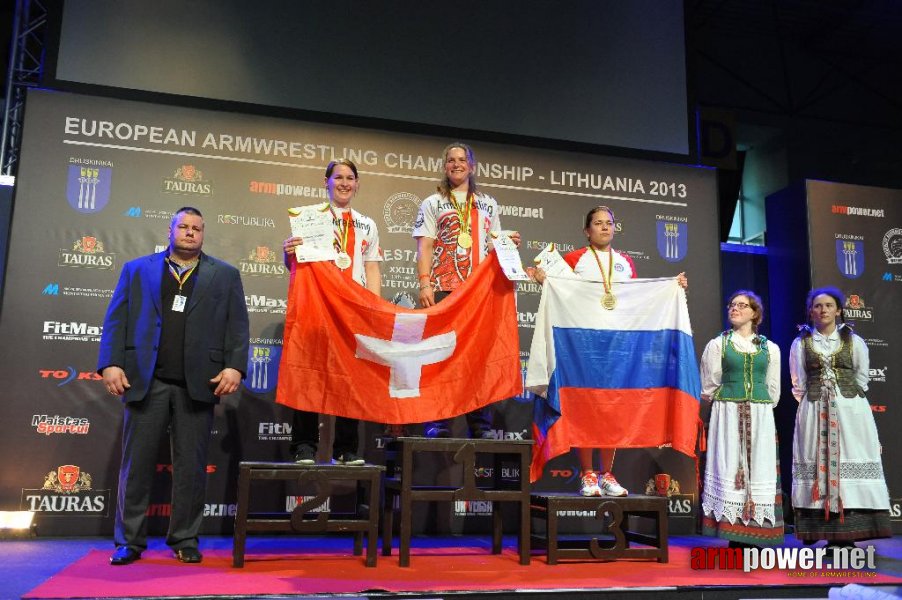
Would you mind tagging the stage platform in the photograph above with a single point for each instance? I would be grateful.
(442, 567)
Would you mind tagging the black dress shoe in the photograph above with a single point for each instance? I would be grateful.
(189, 555)
(124, 556)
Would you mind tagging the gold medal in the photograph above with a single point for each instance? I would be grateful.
(464, 240)
(343, 261)
(608, 301)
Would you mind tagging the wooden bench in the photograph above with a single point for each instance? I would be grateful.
(400, 456)
(545, 507)
(365, 519)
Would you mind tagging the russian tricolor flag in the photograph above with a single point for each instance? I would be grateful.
(621, 378)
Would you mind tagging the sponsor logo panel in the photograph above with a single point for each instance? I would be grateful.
(672, 235)
(262, 261)
(88, 184)
(67, 491)
(68, 375)
(855, 309)
(273, 188)
(892, 246)
(53, 424)
(274, 432)
(188, 180)
(850, 255)
(73, 331)
(54, 288)
(857, 211)
(87, 252)
(400, 211)
(259, 303)
(246, 220)
(262, 367)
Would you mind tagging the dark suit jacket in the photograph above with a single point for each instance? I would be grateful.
(216, 325)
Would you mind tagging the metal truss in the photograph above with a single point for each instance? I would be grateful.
(26, 66)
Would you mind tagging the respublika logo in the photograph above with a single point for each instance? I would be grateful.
(673, 237)
(799, 562)
(262, 368)
(88, 184)
(188, 179)
(67, 491)
(87, 253)
(246, 220)
(262, 261)
(850, 255)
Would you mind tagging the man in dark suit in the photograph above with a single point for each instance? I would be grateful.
(175, 339)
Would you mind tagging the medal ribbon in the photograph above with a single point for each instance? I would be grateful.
(476, 247)
(181, 278)
(344, 237)
(605, 280)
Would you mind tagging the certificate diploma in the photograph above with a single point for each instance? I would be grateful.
(508, 256)
(313, 224)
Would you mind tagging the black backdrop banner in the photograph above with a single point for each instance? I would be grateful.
(98, 182)
(857, 247)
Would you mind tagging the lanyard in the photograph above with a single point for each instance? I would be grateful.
(180, 277)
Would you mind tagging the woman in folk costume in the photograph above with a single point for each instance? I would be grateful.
(740, 372)
(838, 489)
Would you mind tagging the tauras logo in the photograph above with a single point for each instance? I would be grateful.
(87, 253)
(188, 179)
(679, 505)
(262, 261)
(67, 491)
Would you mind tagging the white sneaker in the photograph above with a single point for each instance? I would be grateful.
(610, 487)
(589, 485)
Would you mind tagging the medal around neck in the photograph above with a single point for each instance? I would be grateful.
(464, 240)
(608, 301)
(343, 261)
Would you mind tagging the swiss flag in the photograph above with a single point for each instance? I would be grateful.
(350, 353)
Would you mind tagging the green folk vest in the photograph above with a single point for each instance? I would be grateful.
(744, 375)
(840, 361)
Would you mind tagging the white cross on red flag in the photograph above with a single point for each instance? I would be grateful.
(350, 353)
